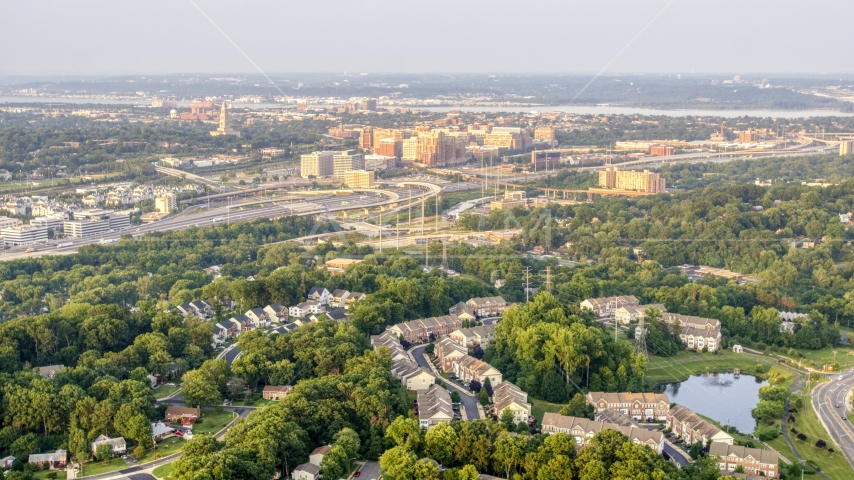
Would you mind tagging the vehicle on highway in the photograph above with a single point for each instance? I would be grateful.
(838, 405)
(30, 250)
(840, 377)
(357, 474)
(66, 244)
(218, 219)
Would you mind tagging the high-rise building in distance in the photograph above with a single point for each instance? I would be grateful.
(369, 104)
(646, 181)
(224, 123)
(345, 161)
(389, 147)
(846, 147)
(661, 150)
(359, 179)
(435, 148)
(410, 148)
(316, 164)
(366, 137)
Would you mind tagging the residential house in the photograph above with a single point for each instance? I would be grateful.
(119, 445)
(697, 333)
(506, 396)
(305, 308)
(337, 315)
(487, 306)
(275, 393)
(468, 368)
(463, 311)
(306, 471)
(388, 340)
(482, 335)
(185, 415)
(160, 430)
(54, 461)
(422, 329)
(258, 317)
(220, 334)
(338, 297)
(584, 429)
(640, 406)
(185, 309)
(448, 351)
(434, 406)
(318, 295)
(607, 306)
(50, 370)
(276, 312)
(203, 309)
(754, 461)
(630, 313)
(316, 455)
(354, 297)
(413, 377)
(6, 462)
(693, 428)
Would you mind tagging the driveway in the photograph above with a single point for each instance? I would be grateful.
(370, 471)
(468, 401)
(675, 455)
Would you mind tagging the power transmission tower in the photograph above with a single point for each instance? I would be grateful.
(640, 338)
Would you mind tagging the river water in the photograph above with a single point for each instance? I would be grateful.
(575, 109)
(719, 396)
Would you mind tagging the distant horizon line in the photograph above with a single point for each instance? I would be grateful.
(435, 73)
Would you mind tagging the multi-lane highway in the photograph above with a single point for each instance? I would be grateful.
(831, 402)
(264, 208)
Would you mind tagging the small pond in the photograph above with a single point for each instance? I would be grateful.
(722, 397)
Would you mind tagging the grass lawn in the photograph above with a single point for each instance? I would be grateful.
(60, 474)
(163, 470)
(163, 391)
(844, 355)
(808, 424)
(212, 421)
(95, 467)
(540, 407)
(684, 364)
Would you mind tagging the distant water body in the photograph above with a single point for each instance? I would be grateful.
(576, 109)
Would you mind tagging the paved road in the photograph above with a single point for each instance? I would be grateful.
(825, 398)
(675, 455)
(468, 401)
(231, 354)
(265, 208)
(370, 471)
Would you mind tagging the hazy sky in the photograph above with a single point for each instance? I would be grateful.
(166, 36)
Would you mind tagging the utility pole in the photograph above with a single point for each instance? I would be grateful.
(381, 230)
(640, 339)
(549, 278)
(398, 233)
(444, 253)
(437, 213)
(422, 216)
(527, 282)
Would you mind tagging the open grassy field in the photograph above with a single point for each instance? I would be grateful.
(60, 474)
(540, 407)
(684, 364)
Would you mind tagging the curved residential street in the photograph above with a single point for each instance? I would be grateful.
(468, 401)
